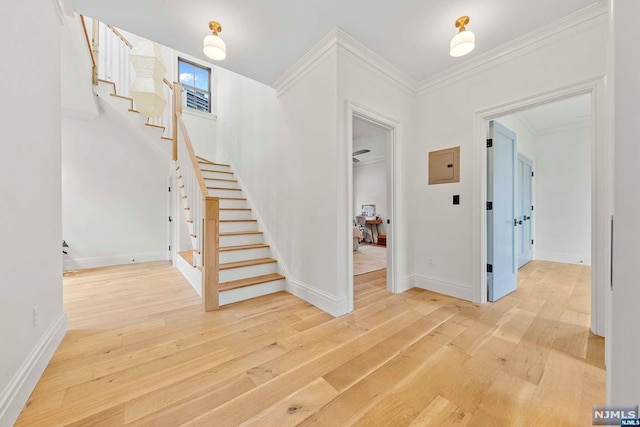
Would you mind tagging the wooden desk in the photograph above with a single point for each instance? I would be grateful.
(371, 223)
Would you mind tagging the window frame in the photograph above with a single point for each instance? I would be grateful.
(195, 89)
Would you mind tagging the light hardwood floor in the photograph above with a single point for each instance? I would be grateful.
(140, 351)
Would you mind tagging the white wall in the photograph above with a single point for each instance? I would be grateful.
(284, 149)
(370, 187)
(30, 212)
(623, 370)
(114, 195)
(563, 197)
(360, 82)
(446, 114)
(202, 131)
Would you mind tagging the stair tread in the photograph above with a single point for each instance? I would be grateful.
(239, 233)
(232, 198)
(246, 263)
(120, 96)
(203, 160)
(224, 188)
(242, 247)
(238, 220)
(235, 209)
(154, 126)
(213, 170)
(250, 281)
(220, 179)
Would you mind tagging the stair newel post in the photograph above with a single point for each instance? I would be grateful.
(210, 248)
(177, 109)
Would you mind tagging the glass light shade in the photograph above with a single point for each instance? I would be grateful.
(214, 47)
(462, 43)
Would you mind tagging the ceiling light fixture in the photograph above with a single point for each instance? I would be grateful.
(463, 42)
(214, 46)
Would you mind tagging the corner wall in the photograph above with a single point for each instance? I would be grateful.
(115, 195)
(446, 118)
(30, 212)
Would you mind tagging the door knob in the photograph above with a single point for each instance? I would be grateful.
(516, 222)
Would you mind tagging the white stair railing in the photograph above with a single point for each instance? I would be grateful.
(111, 48)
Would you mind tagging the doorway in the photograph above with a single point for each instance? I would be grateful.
(544, 212)
(371, 142)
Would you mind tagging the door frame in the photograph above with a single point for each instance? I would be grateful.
(601, 189)
(363, 112)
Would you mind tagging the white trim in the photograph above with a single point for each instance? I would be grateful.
(406, 283)
(581, 259)
(192, 274)
(308, 62)
(601, 150)
(444, 286)
(15, 395)
(374, 61)
(197, 113)
(568, 25)
(324, 301)
(328, 45)
(78, 264)
(354, 109)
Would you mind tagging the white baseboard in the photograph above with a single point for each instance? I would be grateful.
(241, 294)
(563, 258)
(444, 286)
(406, 283)
(332, 305)
(193, 275)
(78, 264)
(15, 395)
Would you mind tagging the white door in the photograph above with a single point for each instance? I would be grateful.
(501, 218)
(524, 211)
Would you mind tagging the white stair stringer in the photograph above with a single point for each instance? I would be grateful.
(247, 269)
(121, 108)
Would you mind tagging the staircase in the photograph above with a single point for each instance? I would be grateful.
(246, 267)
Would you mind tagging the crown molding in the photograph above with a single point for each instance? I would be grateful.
(308, 62)
(374, 61)
(328, 45)
(567, 25)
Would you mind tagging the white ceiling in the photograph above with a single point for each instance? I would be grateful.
(366, 135)
(265, 38)
(561, 115)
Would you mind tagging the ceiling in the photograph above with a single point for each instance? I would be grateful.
(561, 115)
(366, 135)
(265, 38)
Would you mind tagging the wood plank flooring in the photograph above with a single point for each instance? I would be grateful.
(140, 351)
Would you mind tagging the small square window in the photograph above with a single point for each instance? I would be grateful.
(196, 85)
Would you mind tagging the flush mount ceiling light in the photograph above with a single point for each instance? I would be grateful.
(214, 46)
(463, 42)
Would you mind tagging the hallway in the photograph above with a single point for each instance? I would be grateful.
(140, 351)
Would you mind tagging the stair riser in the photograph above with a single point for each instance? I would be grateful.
(233, 203)
(224, 184)
(215, 167)
(235, 295)
(243, 255)
(235, 214)
(224, 193)
(243, 239)
(207, 174)
(246, 272)
(238, 226)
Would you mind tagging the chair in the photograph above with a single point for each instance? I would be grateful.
(361, 222)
